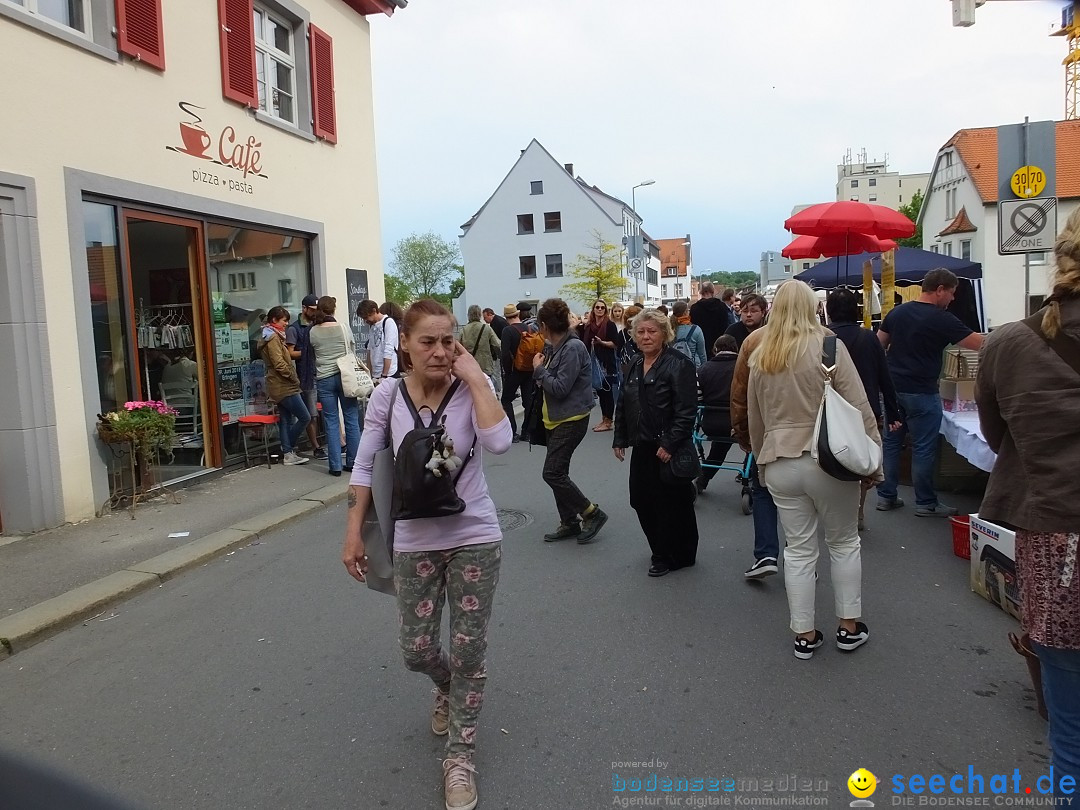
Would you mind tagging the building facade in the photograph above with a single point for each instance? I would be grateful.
(872, 182)
(676, 269)
(177, 170)
(522, 242)
(960, 218)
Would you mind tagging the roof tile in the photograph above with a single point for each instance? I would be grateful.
(978, 150)
(961, 224)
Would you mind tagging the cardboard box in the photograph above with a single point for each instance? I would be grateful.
(957, 395)
(993, 565)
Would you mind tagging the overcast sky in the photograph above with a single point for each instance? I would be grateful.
(738, 110)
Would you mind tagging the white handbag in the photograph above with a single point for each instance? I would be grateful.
(841, 447)
(356, 380)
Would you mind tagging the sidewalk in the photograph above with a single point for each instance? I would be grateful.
(54, 579)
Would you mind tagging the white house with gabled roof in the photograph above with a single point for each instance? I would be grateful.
(522, 242)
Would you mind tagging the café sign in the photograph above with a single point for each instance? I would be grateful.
(224, 147)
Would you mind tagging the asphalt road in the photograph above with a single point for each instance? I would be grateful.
(269, 679)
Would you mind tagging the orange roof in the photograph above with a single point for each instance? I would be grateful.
(673, 253)
(978, 150)
(959, 225)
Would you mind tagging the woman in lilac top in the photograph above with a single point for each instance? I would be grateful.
(455, 558)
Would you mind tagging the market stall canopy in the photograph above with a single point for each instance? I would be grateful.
(811, 247)
(850, 216)
(911, 265)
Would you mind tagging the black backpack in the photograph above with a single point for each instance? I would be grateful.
(424, 488)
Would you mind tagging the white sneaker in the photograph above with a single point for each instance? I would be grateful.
(293, 458)
(459, 783)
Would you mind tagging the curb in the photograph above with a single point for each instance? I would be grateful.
(26, 628)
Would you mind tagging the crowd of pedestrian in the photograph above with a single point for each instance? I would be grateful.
(733, 372)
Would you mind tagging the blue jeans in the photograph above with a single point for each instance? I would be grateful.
(1061, 688)
(922, 419)
(766, 533)
(293, 417)
(330, 394)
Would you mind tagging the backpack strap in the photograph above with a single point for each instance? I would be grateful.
(1065, 347)
(828, 355)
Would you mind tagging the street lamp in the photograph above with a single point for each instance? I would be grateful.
(633, 207)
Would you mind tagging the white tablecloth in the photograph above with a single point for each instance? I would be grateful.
(962, 432)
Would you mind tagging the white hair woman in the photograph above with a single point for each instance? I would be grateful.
(775, 397)
(654, 416)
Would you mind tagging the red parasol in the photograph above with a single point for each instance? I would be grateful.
(850, 217)
(812, 247)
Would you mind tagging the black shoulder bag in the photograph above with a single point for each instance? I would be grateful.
(424, 485)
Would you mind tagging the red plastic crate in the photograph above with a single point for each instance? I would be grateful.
(961, 536)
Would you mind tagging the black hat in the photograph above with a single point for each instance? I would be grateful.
(524, 306)
(310, 301)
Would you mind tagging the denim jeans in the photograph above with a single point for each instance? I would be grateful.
(766, 519)
(562, 441)
(922, 419)
(1061, 688)
(330, 394)
(293, 417)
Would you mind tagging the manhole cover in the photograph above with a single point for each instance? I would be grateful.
(510, 519)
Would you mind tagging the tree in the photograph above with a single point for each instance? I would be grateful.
(737, 280)
(397, 291)
(597, 273)
(911, 211)
(424, 264)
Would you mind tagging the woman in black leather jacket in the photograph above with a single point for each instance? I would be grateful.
(654, 416)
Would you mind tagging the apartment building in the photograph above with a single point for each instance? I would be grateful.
(872, 182)
(169, 172)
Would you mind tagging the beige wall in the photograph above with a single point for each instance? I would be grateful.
(71, 109)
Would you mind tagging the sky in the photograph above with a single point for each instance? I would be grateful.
(738, 110)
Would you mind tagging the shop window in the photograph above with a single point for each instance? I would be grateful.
(536, 187)
(554, 264)
(527, 266)
(275, 65)
(107, 305)
(552, 221)
(525, 224)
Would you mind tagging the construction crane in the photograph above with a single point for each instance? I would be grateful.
(964, 15)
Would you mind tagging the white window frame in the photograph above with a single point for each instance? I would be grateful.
(267, 56)
(32, 7)
(946, 248)
(965, 248)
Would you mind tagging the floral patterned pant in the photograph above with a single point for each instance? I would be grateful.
(466, 577)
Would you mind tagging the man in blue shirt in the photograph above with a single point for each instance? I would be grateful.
(915, 335)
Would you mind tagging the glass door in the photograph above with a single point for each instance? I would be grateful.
(174, 357)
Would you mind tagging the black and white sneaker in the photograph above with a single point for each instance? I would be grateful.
(852, 641)
(804, 647)
(765, 567)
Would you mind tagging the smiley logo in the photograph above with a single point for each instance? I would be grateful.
(862, 783)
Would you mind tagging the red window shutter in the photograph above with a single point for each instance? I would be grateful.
(139, 29)
(238, 51)
(322, 84)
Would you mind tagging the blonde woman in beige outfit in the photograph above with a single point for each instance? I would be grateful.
(775, 398)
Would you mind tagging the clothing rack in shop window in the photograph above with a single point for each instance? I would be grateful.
(167, 326)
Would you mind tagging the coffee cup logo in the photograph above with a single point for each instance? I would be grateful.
(196, 140)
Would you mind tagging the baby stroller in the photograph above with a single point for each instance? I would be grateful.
(713, 424)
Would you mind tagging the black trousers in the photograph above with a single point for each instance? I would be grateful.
(666, 513)
(718, 453)
(514, 380)
(561, 444)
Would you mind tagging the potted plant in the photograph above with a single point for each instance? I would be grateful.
(148, 427)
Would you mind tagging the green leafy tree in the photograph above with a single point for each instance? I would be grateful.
(736, 280)
(597, 273)
(457, 287)
(397, 290)
(911, 211)
(425, 265)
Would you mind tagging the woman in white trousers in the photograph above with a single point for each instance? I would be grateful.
(775, 398)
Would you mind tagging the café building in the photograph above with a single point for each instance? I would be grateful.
(168, 173)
